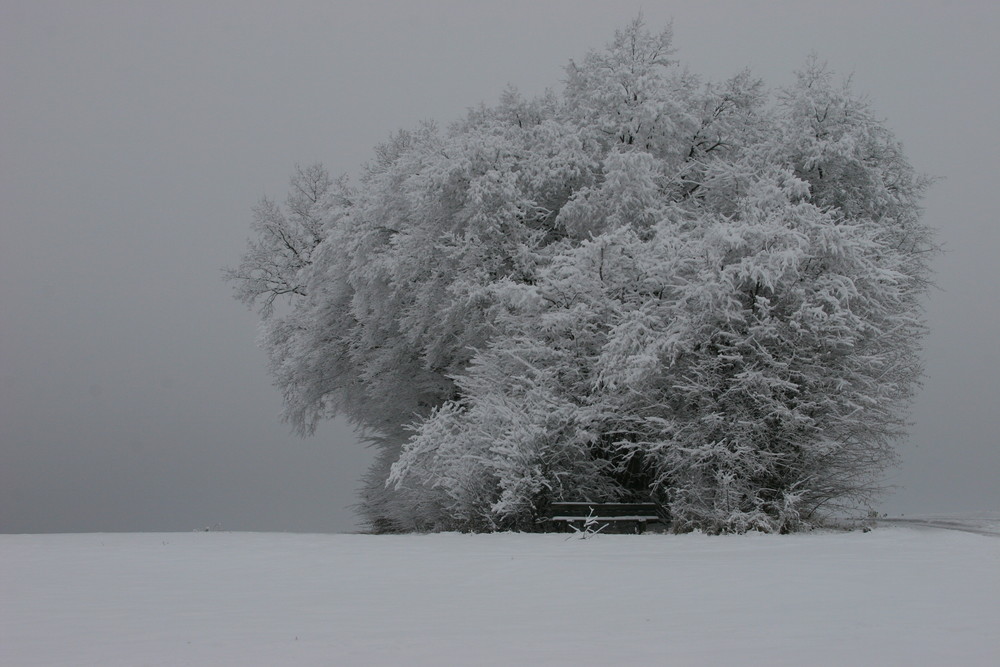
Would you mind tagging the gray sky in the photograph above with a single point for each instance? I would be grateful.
(136, 137)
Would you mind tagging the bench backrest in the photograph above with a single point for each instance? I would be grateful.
(604, 510)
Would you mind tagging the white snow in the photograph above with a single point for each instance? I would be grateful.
(903, 595)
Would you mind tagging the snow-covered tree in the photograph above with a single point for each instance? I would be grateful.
(648, 287)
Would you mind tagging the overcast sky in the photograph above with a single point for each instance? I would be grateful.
(136, 136)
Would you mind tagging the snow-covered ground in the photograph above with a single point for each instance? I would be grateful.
(899, 595)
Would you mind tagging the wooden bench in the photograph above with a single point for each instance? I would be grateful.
(592, 517)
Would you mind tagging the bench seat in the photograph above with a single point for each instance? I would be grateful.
(579, 512)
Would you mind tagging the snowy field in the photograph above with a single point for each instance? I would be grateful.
(899, 595)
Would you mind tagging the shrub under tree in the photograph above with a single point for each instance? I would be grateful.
(647, 287)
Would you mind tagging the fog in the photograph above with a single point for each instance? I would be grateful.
(136, 137)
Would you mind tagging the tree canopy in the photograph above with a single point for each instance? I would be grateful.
(649, 286)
